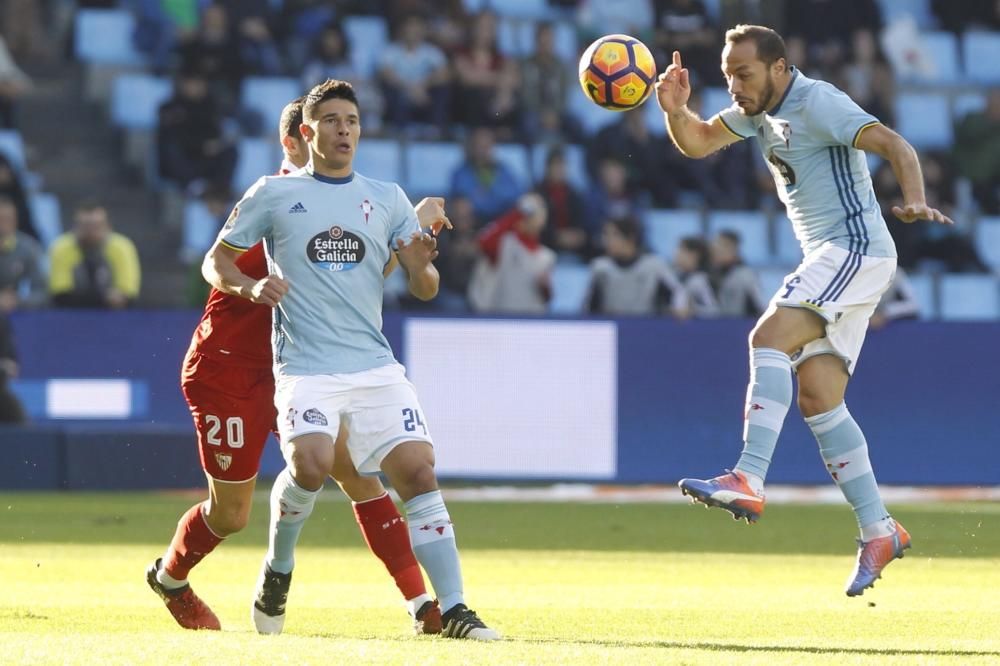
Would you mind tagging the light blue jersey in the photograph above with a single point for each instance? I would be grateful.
(808, 140)
(330, 238)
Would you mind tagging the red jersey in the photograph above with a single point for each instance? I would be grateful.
(233, 329)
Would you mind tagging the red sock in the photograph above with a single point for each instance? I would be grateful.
(192, 541)
(386, 533)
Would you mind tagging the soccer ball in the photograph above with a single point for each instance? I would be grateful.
(617, 72)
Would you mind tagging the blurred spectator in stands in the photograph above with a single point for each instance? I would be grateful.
(692, 266)
(213, 51)
(192, 147)
(414, 74)
(643, 154)
(11, 186)
(459, 249)
(610, 196)
(595, 18)
(948, 246)
(301, 22)
(898, 303)
(487, 182)
(11, 409)
(977, 152)
(331, 59)
(92, 266)
(22, 26)
(735, 283)
(485, 80)
(13, 84)
(967, 14)
(259, 52)
(567, 229)
(823, 30)
(514, 275)
(158, 25)
(685, 26)
(545, 82)
(868, 78)
(627, 280)
(22, 273)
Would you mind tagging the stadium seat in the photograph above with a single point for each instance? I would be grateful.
(752, 228)
(268, 95)
(969, 297)
(771, 278)
(787, 248)
(537, 10)
(136, 99)
(714, 100)
(988, 241)
(924, 119)
(591, 117)
(941, 49)
(665, 229)
(966, 103)
(198, 230)
(12, 147)
(380, 158)
(918, 10)
(923, 286)
(256, 158)
(981, 53)
(654, 116)
(515, 157)
(576, 164)
(104, 37)
(429, 167)
(569, 288)
(368, 37)
(47, 212)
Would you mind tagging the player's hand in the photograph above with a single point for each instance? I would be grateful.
(673, 86)
(420, 251)
(269, 291)
(431, 215)
(912, 212)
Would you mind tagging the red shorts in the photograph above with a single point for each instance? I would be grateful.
(233, 410)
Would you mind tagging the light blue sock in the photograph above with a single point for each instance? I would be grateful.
(845, 452)
(768, 397)
(433, 539)
(291, 504)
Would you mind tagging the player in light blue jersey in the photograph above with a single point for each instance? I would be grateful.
(813, 137)
(329, 233)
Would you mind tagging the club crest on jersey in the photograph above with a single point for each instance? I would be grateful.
(315, 417)
(224, 460)
(336, 249)
(231, 220)
(366, 208)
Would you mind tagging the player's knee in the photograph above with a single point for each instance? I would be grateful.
(310, 466)
(813, 400)
(422, 479)
(229, 518)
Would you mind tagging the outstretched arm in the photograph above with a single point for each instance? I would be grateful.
(882, 141)
(693, 136)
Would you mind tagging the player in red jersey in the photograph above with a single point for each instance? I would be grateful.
(227, 381)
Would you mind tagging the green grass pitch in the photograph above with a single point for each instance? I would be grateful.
(564, 583)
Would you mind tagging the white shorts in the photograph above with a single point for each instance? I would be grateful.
(378, 407)
(842, 287)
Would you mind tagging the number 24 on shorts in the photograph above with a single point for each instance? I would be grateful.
(412, 420)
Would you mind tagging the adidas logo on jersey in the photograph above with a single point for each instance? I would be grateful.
(297, 208)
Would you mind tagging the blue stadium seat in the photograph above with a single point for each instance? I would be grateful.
(969, 297)
(988, 241)
(752, 228)
(941, 49)
(380, 158)
(654, 116)
(12, 147)
(198, 230)
(923, 286)
(966, 103)
(368, 36)
(919, 10)
(429, 167)
(924, 119)
(268, 95)
(569, 288)
(515, 157)
(257, 157)
(136, 99)
(787, 248)
(713, 100)
(665, 229)
(591, 117)
(537, 10)
(771, 279)
(104, 37)
(47, 212)
(576, 165)
(981, 52)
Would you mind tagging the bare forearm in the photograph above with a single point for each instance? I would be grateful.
(688, 132)
(424, 283)
(906, 166)
(220, 271)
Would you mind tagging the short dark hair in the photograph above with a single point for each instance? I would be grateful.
(731, 236)
(699, 247)
(770, 45)
(90, 206)
(329, 89)
(291, 118)
(629, 227)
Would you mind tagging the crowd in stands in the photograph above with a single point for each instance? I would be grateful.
(470, 74)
